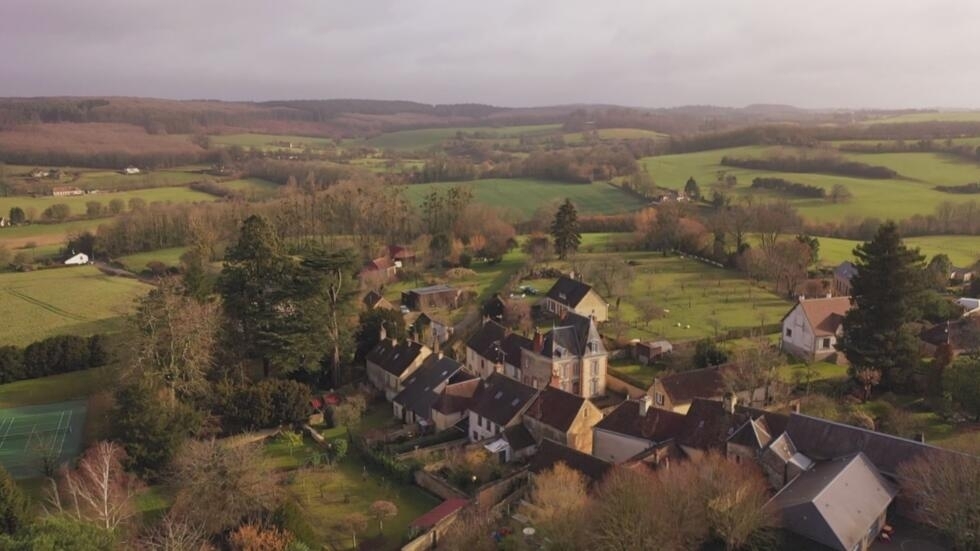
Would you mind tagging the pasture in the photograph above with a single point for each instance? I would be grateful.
(254, 189)
(136, 262)
(34, 206)
(44, 234)
(34, 436)
(271, 141)
(524, 196)
(963, 250)
(896, 198)
(78, 300)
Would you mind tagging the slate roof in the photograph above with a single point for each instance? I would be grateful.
(685, 386)
(556, 408)
(823, 439)
(657, 425)
(754, 434)
(571, 337)
(373, 299)
(518, 437)
(836, 502)
(568, 291)
(487, 340)
(456, 396)
(708, 426)
(514, 346)
(433, 290)
(501, 399)
(550, 453)
(824, 314)
(845, 270)
(394, 357)
(419, 391)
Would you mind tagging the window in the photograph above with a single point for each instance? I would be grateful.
(660, 399)
(595, 367)
(594, 387)
(789, 332)
(826, 343)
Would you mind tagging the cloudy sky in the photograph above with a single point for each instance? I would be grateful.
(828, 53)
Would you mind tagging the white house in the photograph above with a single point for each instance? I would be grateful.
(813, 326)
(970, 305)
(77, 260)
(131, 170)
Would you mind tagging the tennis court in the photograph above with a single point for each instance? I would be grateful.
(31, 436)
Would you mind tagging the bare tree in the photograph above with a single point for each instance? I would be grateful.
(945, 491)
(755, 366)
(99, 490)
(381, 510)
(353, 524)
(557, 503)
(176, 339)
(612, 278)
(220, 485)
(172, 534)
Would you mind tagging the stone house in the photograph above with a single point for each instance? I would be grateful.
(571, 295)
(391, 362)
(413, 405)
(571, 357)
(499, 403)
(563, 417)
(453, 403)
(633, 428)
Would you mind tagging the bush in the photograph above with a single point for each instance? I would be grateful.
(403, 471)
(708, 353)
(270, 403)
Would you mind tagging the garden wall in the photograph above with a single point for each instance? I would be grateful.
(438, 485)
(616, 384)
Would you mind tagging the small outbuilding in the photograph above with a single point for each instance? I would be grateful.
(433, 296)
(77, 260)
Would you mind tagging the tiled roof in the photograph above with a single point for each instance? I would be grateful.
(825, 314)
(556, 408)
(433, 289)
(456, 396)
(657, 425)
(419, 392)
(513, 347)
(708, 426)
(551, 453)
(568, 291)
(845, 270)
(500, 399)
(395, 357)
(441, 511)
(684, 386)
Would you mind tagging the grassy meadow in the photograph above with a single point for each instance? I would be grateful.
(525, 195)
(138, 261)
(963, 250)
(430, 137)
(896, 198)
(78, 300)
(36, 205)
(942, 116)
(270, 141)
(44, 235)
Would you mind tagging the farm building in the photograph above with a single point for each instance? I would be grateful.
(66, 191)
(961, 275)
(812, 327)
(570, 294)
(373, 300)
(650, 351)
(77, 260)
(129, 170)
(401, 255)
(970, 306)
(433, 296)
(381, 269)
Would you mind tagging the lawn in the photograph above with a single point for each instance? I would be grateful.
(78, 300)
(616, 134)
(326, 494)
(136, 262)
(897, 198)
(963, 250)
(525, 195)
(269, 140)
(693, 292)
(55, 388)
(34, 206)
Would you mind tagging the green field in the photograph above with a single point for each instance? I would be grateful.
(55, 388)
(45, 234)
(963, 250)
(525, 195)
(31, 433)
(895, 198)
(34, 206)
(269, 140)
(79, 300)
(616, 134)
(254, 189)
(138, 261)
(429, 137)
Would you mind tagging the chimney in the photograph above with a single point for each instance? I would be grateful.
(645, 402)
(919, 437)
(728, 402)
(829, 295)
(538, 342)
(382, 334)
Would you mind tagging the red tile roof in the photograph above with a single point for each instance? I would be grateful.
(440, 512)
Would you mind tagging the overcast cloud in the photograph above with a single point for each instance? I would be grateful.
(831, 53)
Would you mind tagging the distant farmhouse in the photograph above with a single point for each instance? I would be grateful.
(66, 191)
(811, 329)
(569, 294)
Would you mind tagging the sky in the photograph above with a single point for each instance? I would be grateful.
(650, 53)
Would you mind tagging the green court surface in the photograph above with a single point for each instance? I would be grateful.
(33, 435)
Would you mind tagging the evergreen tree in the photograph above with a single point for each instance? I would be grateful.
(14, 505)
(17, 216)
(369, 330)
(692, 190)
(564, 230)
(327, 283)
(255, 283)
(887, 294)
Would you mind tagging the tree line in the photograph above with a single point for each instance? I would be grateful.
(52, 356)
(823, 163)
